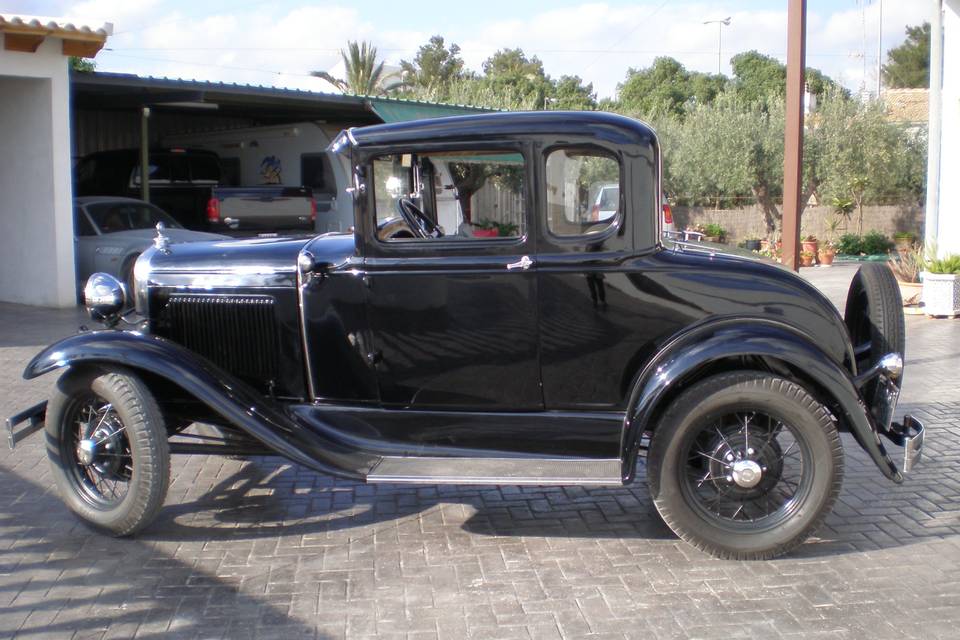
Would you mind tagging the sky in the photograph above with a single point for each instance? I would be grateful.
(278, 43)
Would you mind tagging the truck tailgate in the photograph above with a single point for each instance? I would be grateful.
(267, 208)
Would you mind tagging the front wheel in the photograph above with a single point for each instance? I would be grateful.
(108, 449)
(745, 465)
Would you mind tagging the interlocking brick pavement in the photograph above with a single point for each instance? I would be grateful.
(265, 549)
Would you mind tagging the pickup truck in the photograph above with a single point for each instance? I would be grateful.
(187, 183)
(561, 351)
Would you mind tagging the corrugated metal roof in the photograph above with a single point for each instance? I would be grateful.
(54, 26)
(375, 103)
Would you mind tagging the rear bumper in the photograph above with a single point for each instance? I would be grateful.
(909, 435)
(883, 384)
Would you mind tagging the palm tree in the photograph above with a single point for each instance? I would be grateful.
(362, 70)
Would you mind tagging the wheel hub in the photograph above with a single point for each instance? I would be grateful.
(746, 473)
(87, 451)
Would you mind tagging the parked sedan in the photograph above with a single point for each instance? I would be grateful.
(112, 232)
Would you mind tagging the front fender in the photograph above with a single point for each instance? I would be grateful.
(233, 400)
(730, 339)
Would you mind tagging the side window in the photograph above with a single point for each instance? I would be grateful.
(462, 195)
(316, 173)
(583, 192)
(83, 226)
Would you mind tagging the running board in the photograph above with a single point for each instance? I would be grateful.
(509, 471)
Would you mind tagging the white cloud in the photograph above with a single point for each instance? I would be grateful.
(595, 40)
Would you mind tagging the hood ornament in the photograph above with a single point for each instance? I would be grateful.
(161, 242)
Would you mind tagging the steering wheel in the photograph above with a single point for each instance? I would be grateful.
(417, 220)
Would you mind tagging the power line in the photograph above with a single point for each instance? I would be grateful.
(629, 33)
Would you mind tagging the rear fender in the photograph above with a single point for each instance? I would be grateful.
(225, 395)
(684, 356)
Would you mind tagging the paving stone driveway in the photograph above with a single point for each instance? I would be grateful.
(266, 549)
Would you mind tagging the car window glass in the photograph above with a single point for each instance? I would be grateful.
(204, 168)
(316, 173)
(583, 192)
(83, 226)
(111, 217)
(461, 195)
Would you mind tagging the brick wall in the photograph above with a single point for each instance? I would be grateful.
(747, 222)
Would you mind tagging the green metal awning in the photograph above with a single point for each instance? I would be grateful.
(404, 110)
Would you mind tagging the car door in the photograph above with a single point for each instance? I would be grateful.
(452, 312)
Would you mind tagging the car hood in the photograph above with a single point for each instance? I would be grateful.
(252, 262)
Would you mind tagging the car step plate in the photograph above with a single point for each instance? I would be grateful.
(532, 471)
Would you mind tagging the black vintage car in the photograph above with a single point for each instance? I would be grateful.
(484, 323)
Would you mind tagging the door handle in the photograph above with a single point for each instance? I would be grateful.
(523, 263)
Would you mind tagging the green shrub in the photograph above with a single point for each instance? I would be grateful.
(714, 230)
(875, 242)
(949, 264)
(850, 245)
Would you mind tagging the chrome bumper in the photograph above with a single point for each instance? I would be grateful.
(907, 434)
(35, 417)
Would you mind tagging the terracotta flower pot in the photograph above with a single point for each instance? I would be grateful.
(810, 245)
(486, 233)
(806, 261)
(826, 257)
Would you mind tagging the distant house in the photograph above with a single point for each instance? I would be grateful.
(907, 106)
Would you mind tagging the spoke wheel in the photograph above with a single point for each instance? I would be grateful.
(745, 465)
(98, 451)
(746, 469)
(108, 449)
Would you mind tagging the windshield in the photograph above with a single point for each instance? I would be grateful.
(124, 216)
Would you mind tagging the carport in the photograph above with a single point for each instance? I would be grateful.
(36, 224)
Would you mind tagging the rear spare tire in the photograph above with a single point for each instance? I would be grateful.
(874, 317)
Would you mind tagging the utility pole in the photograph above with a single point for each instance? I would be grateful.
(720, 25)
(879, 45)
(793, 133)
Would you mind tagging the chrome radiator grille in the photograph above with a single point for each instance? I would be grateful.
(238, 333)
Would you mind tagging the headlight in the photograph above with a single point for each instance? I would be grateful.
(104, 298)
(141, 280)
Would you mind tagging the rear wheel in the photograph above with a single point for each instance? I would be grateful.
(108, 449)
(745, 465)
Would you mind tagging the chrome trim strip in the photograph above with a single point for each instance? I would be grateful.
(301, 312)
(507, 471)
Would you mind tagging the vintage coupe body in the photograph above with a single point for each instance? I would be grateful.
(483, 323)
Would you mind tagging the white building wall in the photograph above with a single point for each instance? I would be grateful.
(36, 220)
(948, 233)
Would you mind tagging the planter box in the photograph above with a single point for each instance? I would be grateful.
(941, 294)
(911, 293)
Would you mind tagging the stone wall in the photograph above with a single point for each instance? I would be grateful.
(747, 222)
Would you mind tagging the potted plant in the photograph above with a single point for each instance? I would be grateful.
(806, 258)
(752, 244)
(941, 286)
(904, 240)
(907, 267)
(486, 229)
(810, 243)
(714, 232)
(826, 253)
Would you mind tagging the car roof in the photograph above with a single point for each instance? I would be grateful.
(85, 200)
(596, 124)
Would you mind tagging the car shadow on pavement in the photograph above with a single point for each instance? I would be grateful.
(63, 581)
(267, 496)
